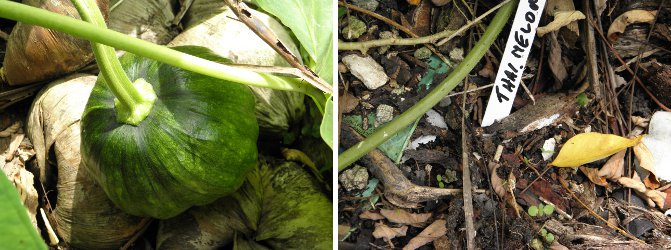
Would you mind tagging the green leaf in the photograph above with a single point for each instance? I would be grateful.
(16, 231)
(544, 232)
(540, 209)
(311, 22)
(550, 238)
(326, 128)
(533, 211)
(548, 209)
(439, 178)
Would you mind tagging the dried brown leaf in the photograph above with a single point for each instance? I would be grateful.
(633, 16)
(593, 175)
(368, 215)
(342, 231)
(388, 233)
(640, 121)
(657, 197)
(429, 234)
(562, 18)
(644, 157)
(401, 216)
(614, 167)
(497, 182)
(348, 103)
(632, 183)
(646, 161)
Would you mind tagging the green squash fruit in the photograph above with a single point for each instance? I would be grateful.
(196, 145)
(83, 216)
(280, 206)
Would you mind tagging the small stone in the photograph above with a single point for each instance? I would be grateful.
(446, 101)
(457, 54)
(367, 70)
(367, 105)
(355, 178)
(422, 53)
(383, 114)
(366, 4)
(354, 29)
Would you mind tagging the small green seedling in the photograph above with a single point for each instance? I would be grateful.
(582, 99)
(439, 178)
(541, 210)
(547, 236)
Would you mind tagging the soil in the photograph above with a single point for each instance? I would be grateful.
(497, 222)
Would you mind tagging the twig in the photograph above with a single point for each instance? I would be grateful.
(441, 90)
(526, 90)
(475, 21)
(10, 130)
(471, 90)
(619, 58)
(397, 26)
(466, 178)
(563, 183)
(397, 189)
(53, 239)
(245, 15)
(447, 34)
(144, 224)
(638, 64)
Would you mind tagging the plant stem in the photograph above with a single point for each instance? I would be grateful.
(133, 103)
(416, 111)
(36, 16)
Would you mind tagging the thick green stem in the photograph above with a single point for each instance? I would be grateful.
(35, 16)
(133, 103)
(416, 111)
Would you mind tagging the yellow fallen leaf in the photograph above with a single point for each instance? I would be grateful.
(588, 147)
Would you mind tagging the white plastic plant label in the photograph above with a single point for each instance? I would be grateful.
(515, 56)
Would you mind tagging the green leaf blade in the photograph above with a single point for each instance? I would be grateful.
(326, 128)
(311, 22)
(16, 230)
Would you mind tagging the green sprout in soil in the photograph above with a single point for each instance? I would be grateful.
(541, 210)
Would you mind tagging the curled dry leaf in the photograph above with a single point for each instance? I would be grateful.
(371, 216)
(593, 175)
(640, 121)
(614, 167)
(653, 197)
(404, 217)
(429, 234)
(497, 182)
(388, 233)
(562, 18)
(646, 161)
(588, 147)
(633, 16)
(35, 54)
